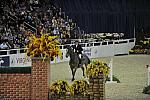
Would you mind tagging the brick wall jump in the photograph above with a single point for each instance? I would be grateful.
(15, 86)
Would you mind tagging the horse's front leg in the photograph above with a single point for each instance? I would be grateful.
(73, 73)
(83, 71)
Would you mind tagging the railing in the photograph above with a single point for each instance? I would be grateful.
(26, 25)
(14, 18)
(11, 18)
(31, 28)
(88, 44)
(17, 57)
(12, 51)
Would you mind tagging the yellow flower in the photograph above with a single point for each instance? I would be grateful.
(79, 87)
(43, 46)
(97, 67)
(59, 87)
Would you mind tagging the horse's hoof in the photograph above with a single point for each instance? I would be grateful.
(72, 79)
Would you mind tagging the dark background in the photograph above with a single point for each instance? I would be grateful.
(95, 16)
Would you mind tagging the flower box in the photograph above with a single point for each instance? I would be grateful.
(97, 88)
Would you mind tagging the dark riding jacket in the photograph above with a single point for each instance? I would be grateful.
(78, 49)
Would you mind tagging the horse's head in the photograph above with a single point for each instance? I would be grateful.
(69, 51)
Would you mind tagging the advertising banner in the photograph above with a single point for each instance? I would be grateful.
(97, 51)
(20, 60)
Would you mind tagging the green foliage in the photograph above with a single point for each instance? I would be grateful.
(142, 46)
(146, 90)
(114, 79)
(139, 49)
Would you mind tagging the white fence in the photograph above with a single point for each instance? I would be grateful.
(17, 58)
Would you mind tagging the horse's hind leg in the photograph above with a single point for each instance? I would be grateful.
(72, 73)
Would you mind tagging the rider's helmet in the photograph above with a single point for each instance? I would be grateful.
(76, 42)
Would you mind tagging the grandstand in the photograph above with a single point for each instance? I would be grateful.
(20, 19)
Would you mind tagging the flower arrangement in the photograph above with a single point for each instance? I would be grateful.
(43, 46)
(59, 87)
(96, 68)
(79, 87)
(138, 51)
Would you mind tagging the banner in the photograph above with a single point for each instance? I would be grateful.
(96, 51)
(20, 60)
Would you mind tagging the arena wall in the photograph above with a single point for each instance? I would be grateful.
(17, 58)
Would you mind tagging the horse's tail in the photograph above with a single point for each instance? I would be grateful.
(88, 60)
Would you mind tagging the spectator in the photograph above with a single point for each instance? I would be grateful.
(4, 45)
(53, 20)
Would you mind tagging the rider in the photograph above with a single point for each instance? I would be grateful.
(78, 49)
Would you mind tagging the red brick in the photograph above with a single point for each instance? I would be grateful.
(17, 86)
(14, 86)
(39, 73)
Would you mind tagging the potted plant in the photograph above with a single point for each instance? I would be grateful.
(43, 47)
(59, 90)
(97, 70)
(79, 89)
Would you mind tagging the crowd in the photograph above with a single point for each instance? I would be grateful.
(20, 18)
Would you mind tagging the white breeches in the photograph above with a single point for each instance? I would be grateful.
(80, 56)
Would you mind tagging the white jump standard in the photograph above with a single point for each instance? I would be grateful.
(111, 72)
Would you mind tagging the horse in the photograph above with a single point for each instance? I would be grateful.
(74, 61)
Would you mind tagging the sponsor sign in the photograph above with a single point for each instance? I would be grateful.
(20, 60)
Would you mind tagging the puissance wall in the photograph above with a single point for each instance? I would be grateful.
(25, 83)
(15, 86)
(31, 83)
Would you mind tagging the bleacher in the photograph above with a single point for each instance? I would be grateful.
(20, 19)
